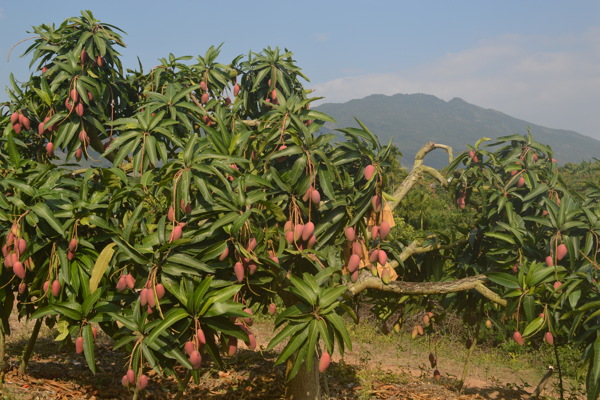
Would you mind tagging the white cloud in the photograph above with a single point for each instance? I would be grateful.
(551, 81)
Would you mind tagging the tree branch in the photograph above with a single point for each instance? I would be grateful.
(417, 172)
(368, 281)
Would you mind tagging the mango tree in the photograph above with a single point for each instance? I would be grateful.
(167, 207)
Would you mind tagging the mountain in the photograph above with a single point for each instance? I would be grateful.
(411, 120)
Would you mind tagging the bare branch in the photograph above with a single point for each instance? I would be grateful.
(417, 172)
(368, 281)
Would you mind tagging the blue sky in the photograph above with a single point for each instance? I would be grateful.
(535, 60)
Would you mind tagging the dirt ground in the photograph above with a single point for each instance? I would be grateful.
(367, 372)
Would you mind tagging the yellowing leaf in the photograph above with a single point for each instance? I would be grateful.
(100, 266)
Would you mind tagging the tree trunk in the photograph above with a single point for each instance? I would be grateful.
(305, 385)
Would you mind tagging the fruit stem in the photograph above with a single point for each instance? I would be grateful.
(30, 344)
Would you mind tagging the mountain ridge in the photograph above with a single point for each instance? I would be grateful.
(411, 120)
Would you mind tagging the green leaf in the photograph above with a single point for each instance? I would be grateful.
(172, 316)
(504, 279)
(189, 261)
(100, 266)
(533, 326)
(88, 347)
(43, 211)
(303, 290)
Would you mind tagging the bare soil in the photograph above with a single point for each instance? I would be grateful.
(381, 370)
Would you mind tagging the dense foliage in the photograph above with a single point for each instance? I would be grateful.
(224, 198)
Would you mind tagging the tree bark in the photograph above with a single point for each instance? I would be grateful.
(368, 281)
(305, 385)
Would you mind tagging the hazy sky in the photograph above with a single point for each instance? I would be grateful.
(534, 60)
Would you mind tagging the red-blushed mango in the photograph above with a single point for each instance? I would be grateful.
(50, 149)
(21, 245)
(203, 86)
(171, 213)
(415, 332)
(426, 320)
(324, 362)
(374, 255)
(74, 95)
(188, 347)
(200, 336)
(79, 109)
(83, 56)
(22, 287)
(312, 241)
(561, 251)
(272, 309)
(78, 154)
(79, 345)
(238, 270)
(518, 338)
(382, 257)
(249, 320)
(251, 341)
(17, 128)
(376, 203)
(19, 269)
(143, 297)
(73, 244)
(195, 359)
(557, 285)
(236, 90)
(549, 261)
(252, 243)
(288, 226)
(350, 234)
(488, 324)
(176, 234)
(357, 248)
(310, 189)
(45, 286)
(354, 276)
(150, 297)
(252, 267)
(384, 229)
(369, 171)
(124, 381)
(121, 283)
(160, 290)
(315, 197)
(142, 382)
(55, 288)
(130, 375)
(521, 182)
(232, 345)
(353, 263)
(224, 254)
(309, 228)
(549, 338)
(94, 332)
(23, 120)
(420, 330)
(375, 232)
(204, 98)
(14, 118)
(298, 231)
(289, 237)
(274, 95)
